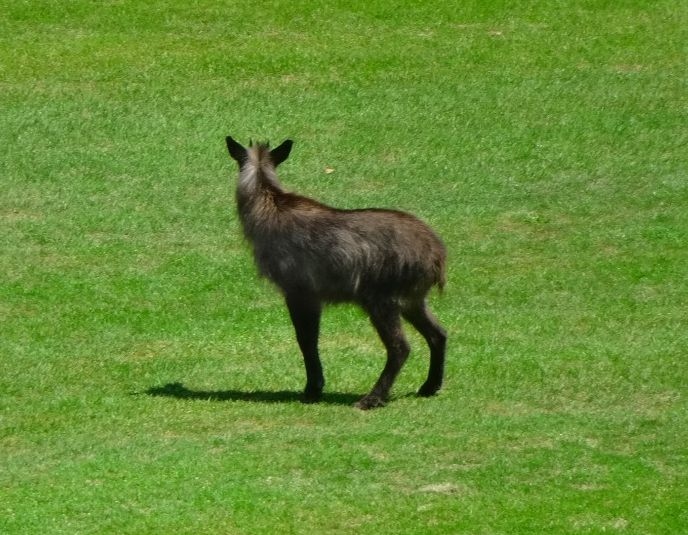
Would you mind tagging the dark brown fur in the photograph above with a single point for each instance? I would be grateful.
(384, 260)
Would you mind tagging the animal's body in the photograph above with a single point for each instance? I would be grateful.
(386, 261)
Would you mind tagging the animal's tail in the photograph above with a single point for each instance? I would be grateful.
(441, 272)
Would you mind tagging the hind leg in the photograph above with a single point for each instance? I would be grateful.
(387, 322)
(425, 323)
(305, 315)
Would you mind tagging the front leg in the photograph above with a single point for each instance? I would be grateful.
(305, 315)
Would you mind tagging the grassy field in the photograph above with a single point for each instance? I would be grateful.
(149, 381)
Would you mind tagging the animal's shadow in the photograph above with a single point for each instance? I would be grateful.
(179, 391)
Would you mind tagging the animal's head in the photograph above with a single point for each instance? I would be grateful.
(241, 155)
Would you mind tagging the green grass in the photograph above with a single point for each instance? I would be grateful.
(149, 381)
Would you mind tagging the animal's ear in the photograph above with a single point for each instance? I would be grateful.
(281, 153)
(236, 151)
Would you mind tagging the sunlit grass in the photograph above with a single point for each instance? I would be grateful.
(149, 381)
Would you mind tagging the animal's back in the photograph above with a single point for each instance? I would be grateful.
(350, 254)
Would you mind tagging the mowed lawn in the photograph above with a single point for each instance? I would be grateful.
(149, 381)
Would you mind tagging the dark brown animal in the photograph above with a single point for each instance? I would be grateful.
(386, 261)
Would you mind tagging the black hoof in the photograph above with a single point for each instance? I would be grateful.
(311, 396)
(369, 402)
(428, 390)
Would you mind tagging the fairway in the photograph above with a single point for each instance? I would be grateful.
(150, 381)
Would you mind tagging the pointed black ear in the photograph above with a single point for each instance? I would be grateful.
(281, 153)
(236, 151)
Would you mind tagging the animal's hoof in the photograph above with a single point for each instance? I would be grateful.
(428, 390)
(311, 396)
(369, 402)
